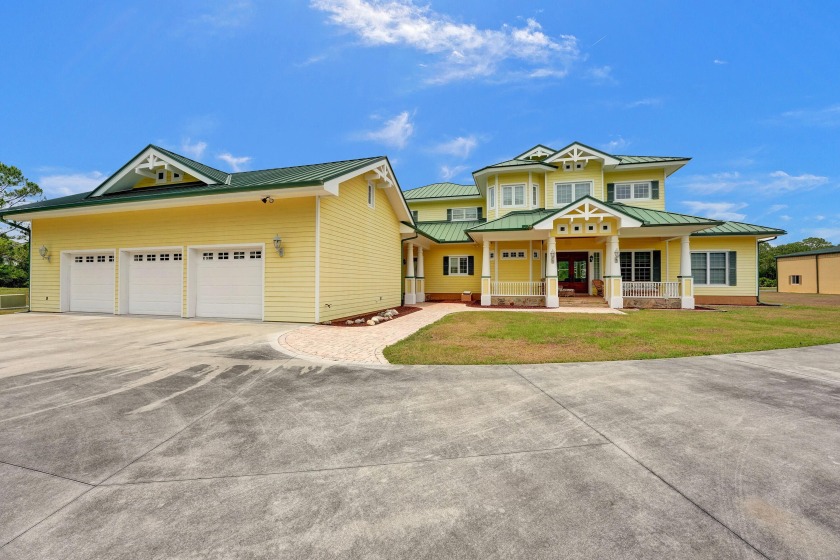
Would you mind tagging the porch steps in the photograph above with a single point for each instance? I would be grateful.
(583, 301)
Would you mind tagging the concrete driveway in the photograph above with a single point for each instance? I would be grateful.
(154, 438)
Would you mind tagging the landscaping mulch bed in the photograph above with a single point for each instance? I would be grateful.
(403, 311)
(478, 304)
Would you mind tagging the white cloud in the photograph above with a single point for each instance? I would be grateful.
(719, 61)
(776, 207)
(461, 147)
(447, 172)
(314, 59)
(785, 218)
(602, 74)
(782, 182)
(825, 116)
(193, 149)
(830, 234)
(462, 51)
(646, 102)
(70, 183)
(236, 163)
(819, 218)
(717, 210)
(226, 15)
(775, 183)
(395, 132)
(614, 145)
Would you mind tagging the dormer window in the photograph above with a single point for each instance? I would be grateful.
(160, 176)
(176, 177)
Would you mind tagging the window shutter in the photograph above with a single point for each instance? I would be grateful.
(657, 266)
(478, 210)
(446, 266)
(733, 268)
(470, 265)
(449, 214)
(654, 190)
(610, 192)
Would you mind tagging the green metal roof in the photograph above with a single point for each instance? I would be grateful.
(284, 177)
(447, 232)
(516, 163)
(823, 251)
(441, 190)
(543, 146)
(651, 218)
(520, 219)
(738, 228)
(629, 160)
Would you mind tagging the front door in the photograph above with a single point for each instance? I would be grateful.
(572, 272)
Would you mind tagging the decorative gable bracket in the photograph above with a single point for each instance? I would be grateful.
(381, 177)
(151, 163)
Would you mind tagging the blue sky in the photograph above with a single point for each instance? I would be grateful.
(750, 90)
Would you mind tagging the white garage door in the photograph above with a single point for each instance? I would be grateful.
(92, 283)
(229, 283)
(155, 282)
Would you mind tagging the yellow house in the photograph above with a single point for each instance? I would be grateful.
(552, 223)
(810, 272)
(166, 235)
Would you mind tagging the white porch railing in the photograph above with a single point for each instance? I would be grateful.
(650, 289)
(517, 288)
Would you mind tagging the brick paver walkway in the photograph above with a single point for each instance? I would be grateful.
(364, 345)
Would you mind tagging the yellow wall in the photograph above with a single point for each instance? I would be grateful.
(516, 178)
(516, 270)
(829, 274)
(149, 182)
(435, 210)
(437, 282)
(360, 253)
(592, 172)
(289, 280)
(746, 266)
(624, 176)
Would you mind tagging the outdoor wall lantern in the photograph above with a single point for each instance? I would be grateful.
(617, 254)
(591, 258)
(267, 199)
(552, 257)
(277, 247)
(44, 252)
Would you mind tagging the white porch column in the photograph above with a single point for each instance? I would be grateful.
(551, 297)
(420, 281)
(685, 278)
(612, 280)
(486, 298)
(410, 293)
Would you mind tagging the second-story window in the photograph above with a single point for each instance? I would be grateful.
(633, 191)
(513, 196)
(461, 214)
(491, 196)
(534, 196)
(566, 193)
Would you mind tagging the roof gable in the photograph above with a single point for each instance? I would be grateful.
(538, 153)
(442, 190)
(576, 151)
(152, 160)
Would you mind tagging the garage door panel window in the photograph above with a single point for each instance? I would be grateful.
(223, 256)
(207, 256)
(256, 254)
(238, 255)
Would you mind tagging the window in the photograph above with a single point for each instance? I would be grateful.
(256, 254)
(138, 258)
(100, 258)
(596, 266)
(492, 255)
(796, 279)
(414, 215)
(164, 256)
(513, 254)
(160, 177)
(566, 193)
(636, 266)
(177, 257)
(371, 195)
(238, 255)
(491, 197)
(536, 255)
(605, 227)
(590, 227)
(79, 259)
(150, 258)
(207, 256)
(710, 268)
(176, 176)
(562, 229)
(459, 266)
(461, 214)
(633, 191)
(110, 258)
(535, 199)
(223, 256)
(89, 259)
(513, 196)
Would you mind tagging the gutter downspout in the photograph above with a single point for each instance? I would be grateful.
(29, 253)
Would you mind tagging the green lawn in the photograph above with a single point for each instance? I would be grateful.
(515, 338)
(14, 291)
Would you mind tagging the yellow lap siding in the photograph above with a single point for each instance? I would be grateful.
(746, 270)
(625, 176)
(592, 173)
(435, 211)
(515, 270)
(437, 282)
(360, 257)
(289, 280)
